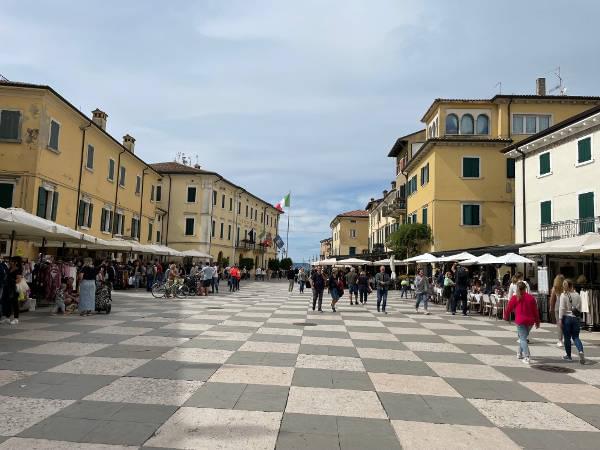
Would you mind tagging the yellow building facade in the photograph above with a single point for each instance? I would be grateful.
(386, 214)
(459, 182)
(59, 164)
(209, 213)
(350, 233)
(325, 248)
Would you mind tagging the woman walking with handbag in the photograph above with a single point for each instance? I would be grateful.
(557, 290)
(568, 317)
(526, 316)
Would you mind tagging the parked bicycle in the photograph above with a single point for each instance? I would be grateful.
(178, 289)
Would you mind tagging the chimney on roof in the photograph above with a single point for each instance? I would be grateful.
(540, 86)
(99, 118)
(129, 142)
(196, 166)
(385, 192)
(393, 185)
(372, 199)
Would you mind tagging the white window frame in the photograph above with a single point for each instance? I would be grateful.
(537, 122)
(121, 177)
(187, 188)
(103, 228)
(55, 150)
(462, 212)
(87, 157)
(86, 213)
(18, 139)
(138, 235)
(539, 168)
(462, 167)
(150, 231)
(591, 160)
(49, 201)
(353, 233)
(156, 191)
(121, 223)
(112, 180)
(138, 184)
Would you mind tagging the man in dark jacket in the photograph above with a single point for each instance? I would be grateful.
(460, 289)
(318, 286)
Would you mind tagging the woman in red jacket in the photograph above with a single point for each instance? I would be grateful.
(526, 316)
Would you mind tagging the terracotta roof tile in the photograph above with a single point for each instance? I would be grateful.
(355, 213)
(175, 167)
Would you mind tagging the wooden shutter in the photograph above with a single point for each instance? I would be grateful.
(81, 213)
(6, 194)
(54, 206)
(544, 163)
(90, 214)
(41, 202)
(471, 167)
(9, 124)
(584, 150)
(103, 220)
(546, 213)
(510, 168)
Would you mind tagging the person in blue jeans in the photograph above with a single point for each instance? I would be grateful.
(568, 315)
(422, 290)
(382, 283)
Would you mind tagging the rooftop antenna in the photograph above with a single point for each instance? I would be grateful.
(560, 88)
(3, 78)
(499, 86)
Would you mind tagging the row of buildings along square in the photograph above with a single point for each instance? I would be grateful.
(486, 172)
(59, 164)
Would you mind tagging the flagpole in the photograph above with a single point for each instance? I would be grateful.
(287, 234)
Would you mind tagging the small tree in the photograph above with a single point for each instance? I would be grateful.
(248, 263)
(408, 239)
(273, 264)
(286, 263)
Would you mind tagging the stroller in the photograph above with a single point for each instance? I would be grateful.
(103, 298)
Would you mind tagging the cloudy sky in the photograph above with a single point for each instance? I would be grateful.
(306, 96)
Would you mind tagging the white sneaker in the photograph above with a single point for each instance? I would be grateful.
(519, 355)
(427, 313)
(559, 344)
(525, 360)
(14, 322)
(518, 341)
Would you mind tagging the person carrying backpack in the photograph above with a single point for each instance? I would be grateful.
(568, 317)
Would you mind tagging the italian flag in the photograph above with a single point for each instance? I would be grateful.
(283, 203)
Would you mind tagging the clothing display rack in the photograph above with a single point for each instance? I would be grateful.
(590, 307)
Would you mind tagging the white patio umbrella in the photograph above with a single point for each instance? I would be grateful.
(329, 262)
(589, 242)
(427, 259)
(382, 262)
(418, 258)
(27, 226)
(196, 254)
(513, 258)
(354, 262)
(481, 260)
(458, 257)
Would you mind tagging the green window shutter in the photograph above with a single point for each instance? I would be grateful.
(54, 206)
(584, 150)
(510, 168)
(149, 232)
(6, 195)
(424, 221)
(9, 124)
(80, 213)
(544, 163)
(90, 215)
(471, 215)
(54, 132)
(546, 212)
(41, 202)
(586, 205)
(103, 220)
(471, 167)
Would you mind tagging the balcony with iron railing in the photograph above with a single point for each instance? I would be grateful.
(394, 209)
(569, 228)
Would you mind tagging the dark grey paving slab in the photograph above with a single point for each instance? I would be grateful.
(432, 338)
(56, 386)
(121, 433)
(432, 409)
(309, 424)
(494, 390)
(287, 440)
(131, 351)
(175, 370)
(216, 395)
(393, 345)
(552, 440)
(15, 345)
(533, 375)
(361, 329)
(275, 338)
(359, 434)
(487, 349)
(31, 362)
(315, 332)
(99, 338)
(263, 398)
(61, 429)
(74, 327)
(398, 367)
(589, 413)
(331, 350)
(173, 333)
(263, 359)
(155, 414)
(332, 379)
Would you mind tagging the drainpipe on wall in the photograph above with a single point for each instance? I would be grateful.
(83, 129)
(166, 235)
(112, 225)
(523, 194)
(142, 203)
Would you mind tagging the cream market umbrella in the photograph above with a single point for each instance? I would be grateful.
(354, 262)
(589, 242)
(458, 257)
(196, 254)
(329, 262)
(427, 259)
(382, 262)
(415, 259)
(513, 258)
(481, 260)
(27, 226)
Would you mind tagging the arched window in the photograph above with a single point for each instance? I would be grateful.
(451, 124)
(434, 130)
(467, 124)
(483, 124)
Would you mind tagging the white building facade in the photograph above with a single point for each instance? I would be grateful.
(561, 194)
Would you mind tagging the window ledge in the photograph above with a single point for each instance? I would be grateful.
(106, 232)
(109, 180)
(10, 141)
(122, 186)
(83, 227)
(544, 175)
(53, 150)
(584, 163)
(137, 193)
(471, 226)
(471, 178)
(89, 170)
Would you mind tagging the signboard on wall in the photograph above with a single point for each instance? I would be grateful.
(542, 277)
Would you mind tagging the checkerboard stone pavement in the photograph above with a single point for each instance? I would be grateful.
(236, 371)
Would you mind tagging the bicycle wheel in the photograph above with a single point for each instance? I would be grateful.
(182, 291)
(159, 290)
